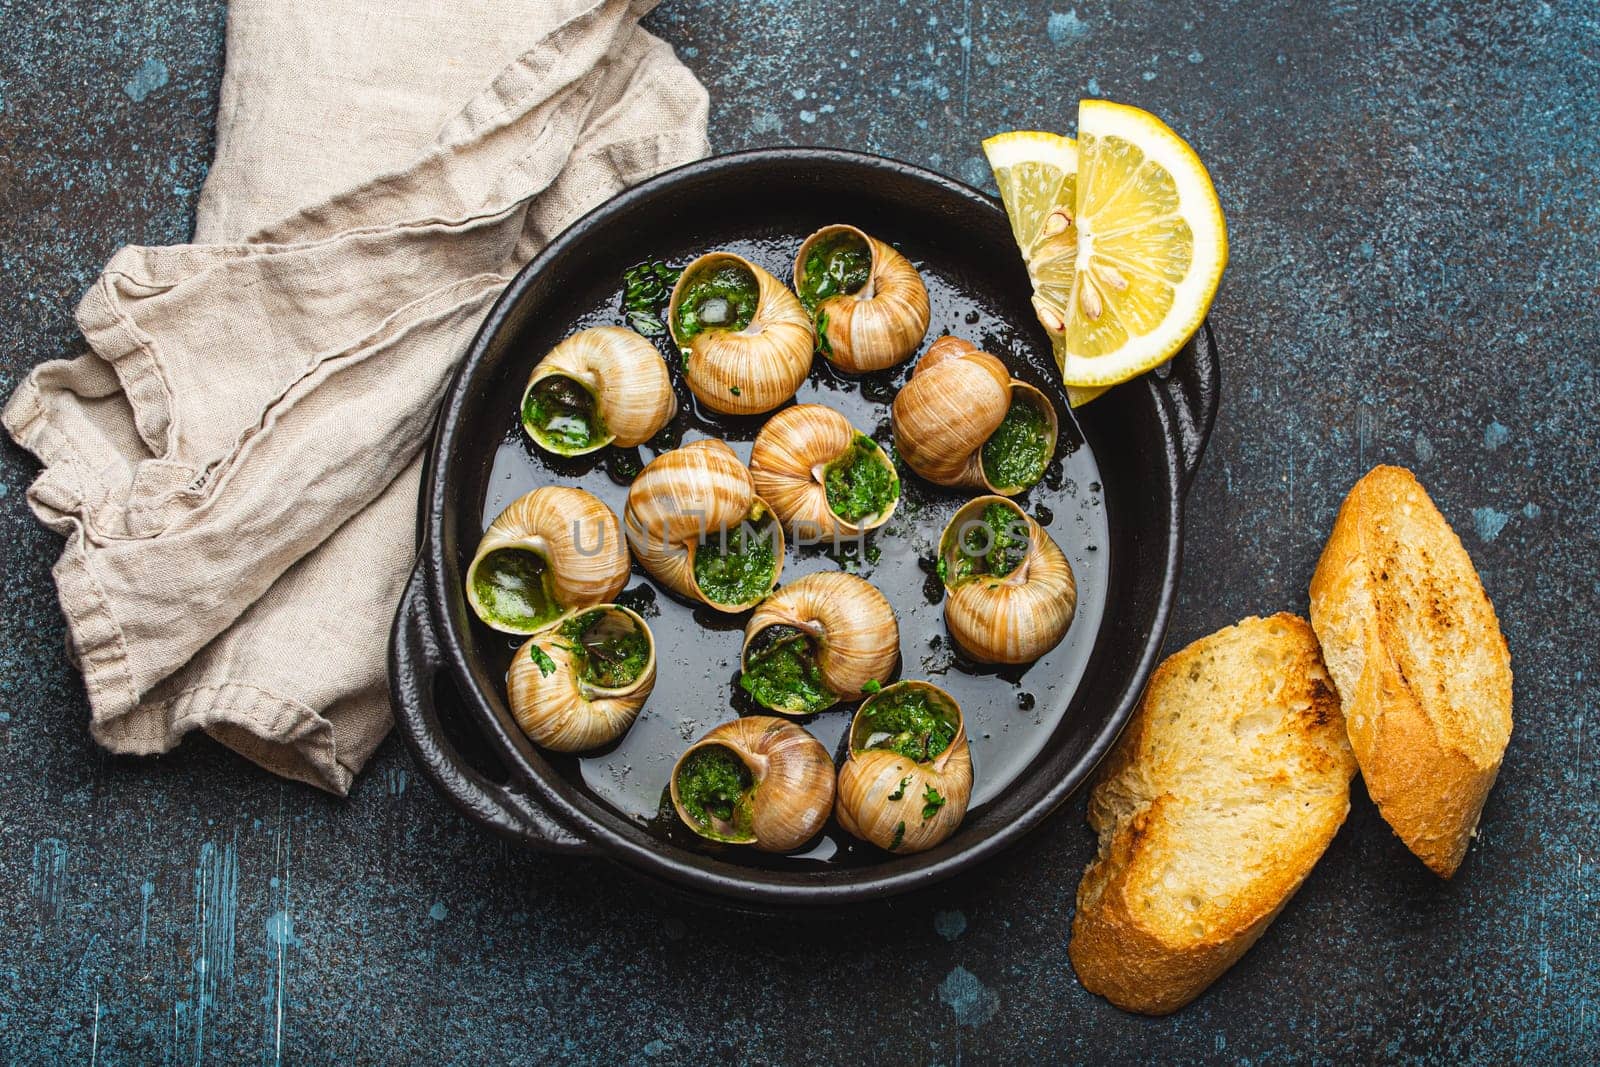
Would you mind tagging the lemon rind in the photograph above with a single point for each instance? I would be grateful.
(1199, 286)
(1010, 148)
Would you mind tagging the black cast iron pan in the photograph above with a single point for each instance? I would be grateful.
(1113, 499)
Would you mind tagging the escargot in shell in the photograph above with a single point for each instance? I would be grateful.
(696, 524)
(908, 778)
(601, 386)
(869, 302)
(962, 420)
(549, 551)
(758, 781)
(579, 683)
(746, 341)
(823, 638)
(1011, 591)
(821, 475)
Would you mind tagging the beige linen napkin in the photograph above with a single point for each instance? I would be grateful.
(235, 463)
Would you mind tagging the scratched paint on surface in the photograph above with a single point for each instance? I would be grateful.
(1375, 298)
(48, 879)
(216, 908)
(147, 892)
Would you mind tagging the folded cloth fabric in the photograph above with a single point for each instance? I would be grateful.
(235, 462)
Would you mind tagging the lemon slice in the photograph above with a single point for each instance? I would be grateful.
(1037, 174)
(1123, 277)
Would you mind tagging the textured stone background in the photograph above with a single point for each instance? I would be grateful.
(1412, 191)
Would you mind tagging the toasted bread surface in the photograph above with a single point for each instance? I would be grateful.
(1228, 784)
(1422, 669)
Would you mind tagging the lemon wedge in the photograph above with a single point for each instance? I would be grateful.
(1037, 173)
(1125, 254)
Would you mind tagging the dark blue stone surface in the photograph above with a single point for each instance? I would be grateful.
(1414, 196)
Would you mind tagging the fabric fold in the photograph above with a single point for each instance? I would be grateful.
(235, 462)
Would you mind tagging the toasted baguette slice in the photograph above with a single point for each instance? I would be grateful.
(1227, 786)
(1422, 669)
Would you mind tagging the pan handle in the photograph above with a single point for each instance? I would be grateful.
(1192, 386)
(415, 661)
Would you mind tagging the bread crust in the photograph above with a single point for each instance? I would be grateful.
(1124, 944)
(1428, 758)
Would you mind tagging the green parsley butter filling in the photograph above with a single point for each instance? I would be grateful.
(1016, 454)
(713, 788)
(905, 720)
(861, 483)
(737, 565)
(781, 672)
(562, 415)
(995, 544)
(838, 264)
(608, 648)
(512, 587)
(718, 296)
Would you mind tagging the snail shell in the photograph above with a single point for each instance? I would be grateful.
(1014, 618)
(787, 790)
(566, 695)
(878, 325)
(850, 633)
(747, 371)
(549, 551)
(689, 496)
(956, 399)
(605, 385)
(886, 797)
(792, 459)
